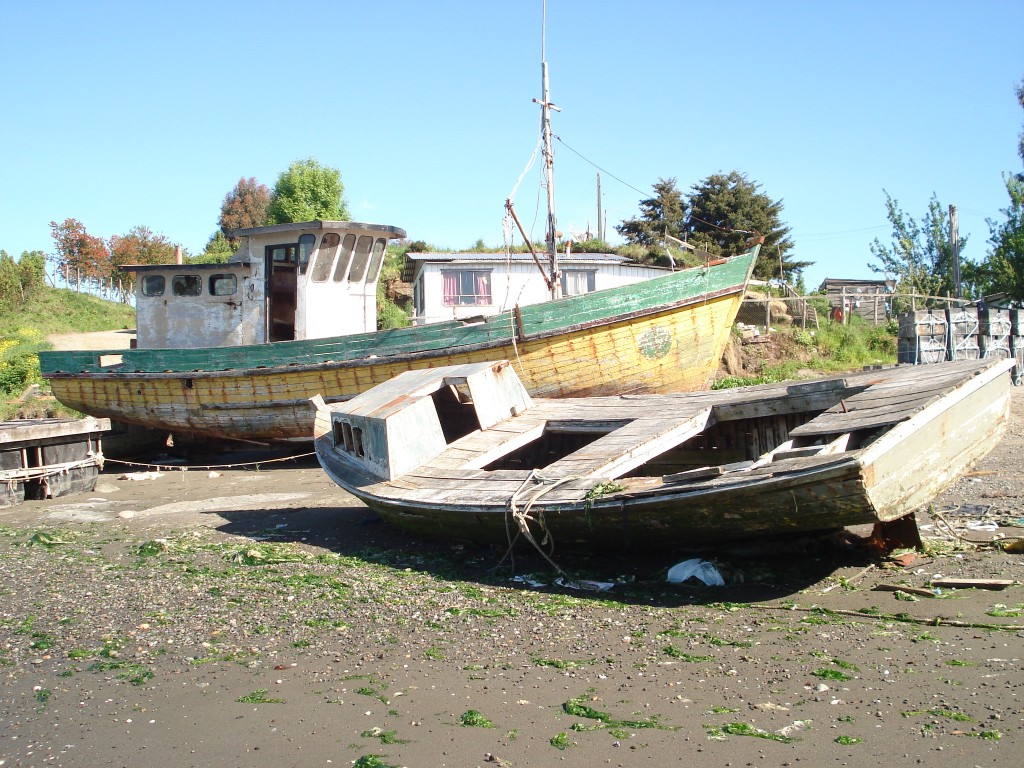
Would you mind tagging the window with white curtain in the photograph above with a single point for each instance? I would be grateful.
(577, 281)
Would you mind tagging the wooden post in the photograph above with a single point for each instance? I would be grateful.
(954, 239)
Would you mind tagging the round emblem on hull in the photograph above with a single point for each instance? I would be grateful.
(655, 342)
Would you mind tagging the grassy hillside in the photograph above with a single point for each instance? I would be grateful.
(58, 310)
(23, 331)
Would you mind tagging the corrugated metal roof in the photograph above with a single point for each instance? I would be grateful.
(608, 258)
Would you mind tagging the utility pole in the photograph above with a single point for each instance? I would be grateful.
(954, 239)
(600, 228)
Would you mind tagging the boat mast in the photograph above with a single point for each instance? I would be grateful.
(549, 157)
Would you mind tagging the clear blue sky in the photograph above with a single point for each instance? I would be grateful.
(121, 114)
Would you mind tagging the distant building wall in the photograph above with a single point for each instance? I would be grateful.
(869, 299)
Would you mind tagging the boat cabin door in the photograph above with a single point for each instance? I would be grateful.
(285, 264)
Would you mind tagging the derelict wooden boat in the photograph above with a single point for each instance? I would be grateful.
(464, 453)
(47, 458)
(663, 334)
(236, 350)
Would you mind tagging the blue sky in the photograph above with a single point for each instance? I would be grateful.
(121, 114)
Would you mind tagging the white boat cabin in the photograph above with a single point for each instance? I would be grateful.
(458, 286)
(307, 280)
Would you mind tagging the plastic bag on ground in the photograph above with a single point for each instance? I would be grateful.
(698, 569)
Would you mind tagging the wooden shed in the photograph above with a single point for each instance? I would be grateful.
(868, 298)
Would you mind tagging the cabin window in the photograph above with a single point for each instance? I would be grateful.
(153, 285)
(376, 259)
(360, 259)
(466, 287)
(324, 259)
(223, 285)
(186, 285)
(305, 251)
(282, 254)
(346, 256)
(348, 438)
(577, 281)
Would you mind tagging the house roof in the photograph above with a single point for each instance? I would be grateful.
(204, 267)
(414, 260)
(837, 282)
(607, 258)
(320, 225)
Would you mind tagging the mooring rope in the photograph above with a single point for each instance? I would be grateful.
(186, 468)
(522, 518)
(22, 474)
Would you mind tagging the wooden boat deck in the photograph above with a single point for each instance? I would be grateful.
(876, 400)
(646, 471)
(886, 402)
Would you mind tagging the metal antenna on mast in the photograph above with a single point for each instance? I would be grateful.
(549, 155)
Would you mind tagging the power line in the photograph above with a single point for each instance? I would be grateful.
(602, 170)
(822, 235)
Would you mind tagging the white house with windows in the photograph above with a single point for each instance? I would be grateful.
(449, 286)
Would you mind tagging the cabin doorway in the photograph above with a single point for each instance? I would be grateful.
(286, 264)
(282, 293)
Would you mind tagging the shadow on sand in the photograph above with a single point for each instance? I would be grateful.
(753, 571)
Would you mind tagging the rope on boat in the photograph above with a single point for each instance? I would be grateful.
(25, 474)
(186, 468)
(522, 517)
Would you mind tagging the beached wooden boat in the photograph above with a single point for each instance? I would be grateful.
(236, 350)
(47, 458)
(664, 334)
(465, 454)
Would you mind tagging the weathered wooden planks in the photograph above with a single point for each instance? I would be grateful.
(931, 424)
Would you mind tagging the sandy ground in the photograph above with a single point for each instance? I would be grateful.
(253, 614)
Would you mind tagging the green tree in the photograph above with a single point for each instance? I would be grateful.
(726, 209)
(393, 309)
(1004, 265)
(31, 272)
(10, 282)
(920, 256)
(20, 279)
(663, 213)
(244, 206)
(718, 216)
(307, 191)
(218, 250)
